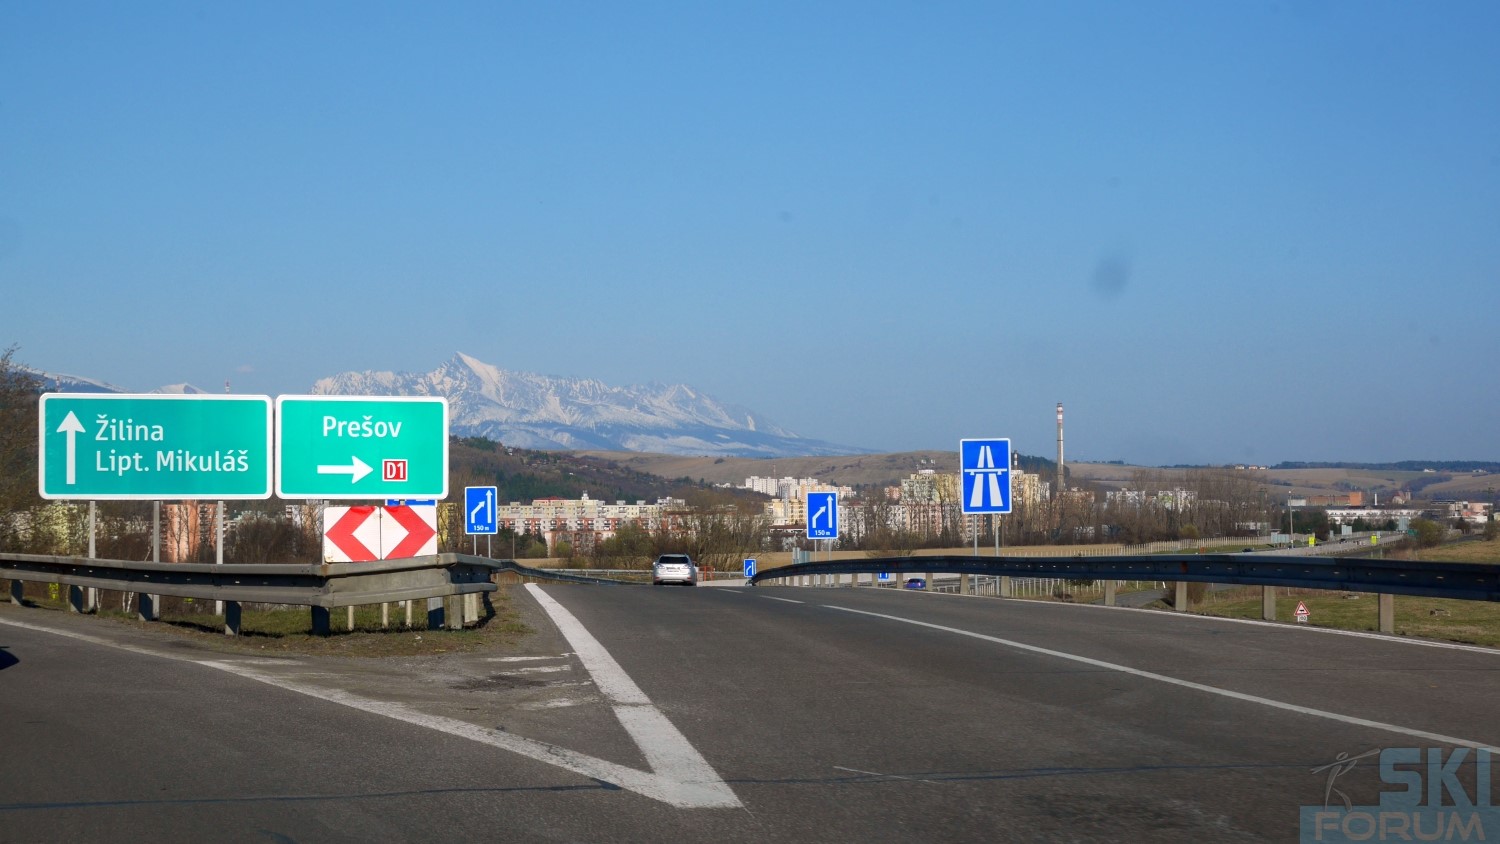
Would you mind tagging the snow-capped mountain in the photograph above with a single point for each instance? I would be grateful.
(536, 411)
(57, 382)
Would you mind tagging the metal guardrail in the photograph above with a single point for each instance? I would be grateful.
(321, 587)
(1465, 581)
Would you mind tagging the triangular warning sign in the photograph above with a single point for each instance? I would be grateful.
(1301, 608)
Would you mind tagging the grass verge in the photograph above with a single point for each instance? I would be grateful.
(289, 630)
(1467, 622)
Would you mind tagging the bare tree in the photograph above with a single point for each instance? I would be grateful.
(19, 501)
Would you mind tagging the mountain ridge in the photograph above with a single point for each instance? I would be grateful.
(543, 412)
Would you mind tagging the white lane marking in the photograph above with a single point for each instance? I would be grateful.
(783, 600)
(687, 795)
(677, 769)
(559, 703)
(523, 658)
(683, 784)
(1188, 684)
(1273, 625)
(539, 669)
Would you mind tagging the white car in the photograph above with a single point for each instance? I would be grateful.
(674, 568)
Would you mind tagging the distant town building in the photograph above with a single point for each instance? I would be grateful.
(586, 520)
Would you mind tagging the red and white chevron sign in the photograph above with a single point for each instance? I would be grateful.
(367, 533)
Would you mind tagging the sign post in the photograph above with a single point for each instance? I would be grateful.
(98, 446)
(361, 447)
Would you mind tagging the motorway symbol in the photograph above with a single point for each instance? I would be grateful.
(749, 568)
(985, 471)
(366, 533)
(361, 447)
(822, 515)
(97, 446)
(479, 510)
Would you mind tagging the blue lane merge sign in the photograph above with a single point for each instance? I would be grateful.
(822, 515)
(749, 568)
(479, 510)
(985, 472)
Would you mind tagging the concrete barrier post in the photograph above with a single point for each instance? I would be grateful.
(1387, 612)
(385, 615)
(349, 618)
(434, 613)
(456, 615)
(964, 587)
(1005, 586)
(75, 599)
(231, 618)
(18, 592)
(148, 606)
(1268, 603)
(1109, 593)
(1180, 600)
(322, 621)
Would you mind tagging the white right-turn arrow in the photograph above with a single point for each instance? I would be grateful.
(355, 470)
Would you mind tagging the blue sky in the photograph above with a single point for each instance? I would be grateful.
(1217, 232)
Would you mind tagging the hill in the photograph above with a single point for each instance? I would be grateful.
(524, 475)
(858, 470)
(1328, 480)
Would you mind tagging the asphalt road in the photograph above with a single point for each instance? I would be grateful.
(741, 716)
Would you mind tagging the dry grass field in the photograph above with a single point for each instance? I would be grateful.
(1470, 622)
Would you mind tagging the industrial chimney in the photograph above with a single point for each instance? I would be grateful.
(1057, 493)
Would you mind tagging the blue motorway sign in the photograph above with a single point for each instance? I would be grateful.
(750, 568)
(480, 516)
(985, 472)
(822, 515)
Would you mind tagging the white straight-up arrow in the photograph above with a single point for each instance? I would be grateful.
(355, 470)
(72, 427)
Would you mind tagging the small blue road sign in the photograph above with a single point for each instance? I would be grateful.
(750, 568)
(985, 472)
(822, 515)
(885, 575)
(479, 510)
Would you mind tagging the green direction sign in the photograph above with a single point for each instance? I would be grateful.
(97, 446)
(361, 447)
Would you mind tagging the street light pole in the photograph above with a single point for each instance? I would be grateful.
(1289, 529)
